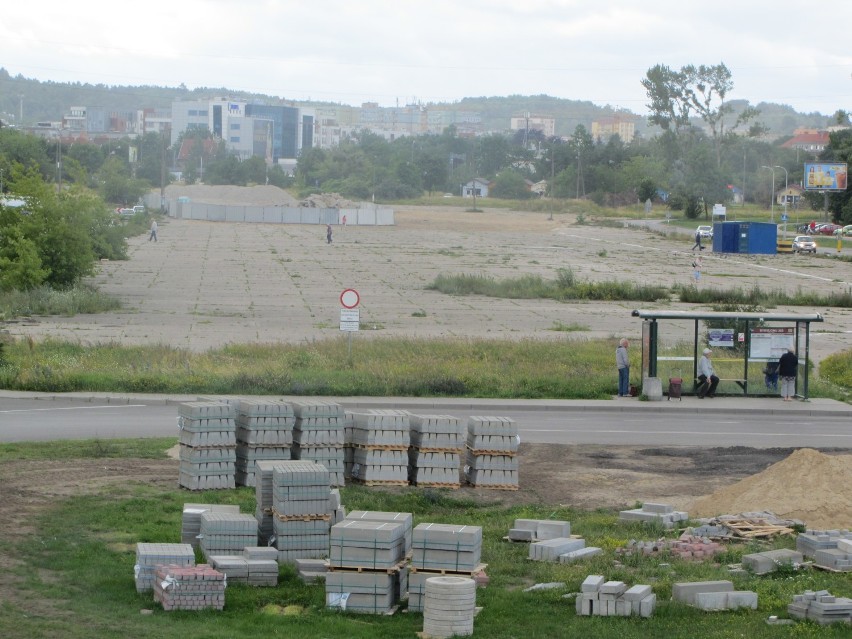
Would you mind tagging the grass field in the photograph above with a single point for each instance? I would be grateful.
(75, 573)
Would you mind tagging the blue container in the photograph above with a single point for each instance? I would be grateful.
(751, 238)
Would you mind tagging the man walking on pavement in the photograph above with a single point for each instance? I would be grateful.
(697, 241)
(153, 235)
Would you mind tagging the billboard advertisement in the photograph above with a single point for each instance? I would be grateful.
(825, 176)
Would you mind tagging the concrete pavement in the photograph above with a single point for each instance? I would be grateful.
(689, 404)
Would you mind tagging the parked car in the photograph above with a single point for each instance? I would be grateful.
(804, 244)
(846, 230)
(828, 229)
(705, 232)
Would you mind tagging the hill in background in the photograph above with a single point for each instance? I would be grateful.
(48, 101)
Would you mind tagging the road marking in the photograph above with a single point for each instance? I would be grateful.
(43, 410)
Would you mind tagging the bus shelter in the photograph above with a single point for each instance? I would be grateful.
(746, 348)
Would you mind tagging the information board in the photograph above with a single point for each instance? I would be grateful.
(770, 343)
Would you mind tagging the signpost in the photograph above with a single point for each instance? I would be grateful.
(350, 315)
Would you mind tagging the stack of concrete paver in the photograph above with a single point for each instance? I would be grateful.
(437, 443)
(318, 436)
(301, 506)
(255, 566)
(149, 556)
(208, 442)
(189, 587)
(821, 606)
(449, 606)
(264, 432)
(379, 442)
(442, 549)
(191, 519)
(492, 447)
(713, 595)
(830, 549)
(223, 533)
(687, 547)
(406, 519)
(763, 563)
(366, 559)
(599, 597)
(649, 512)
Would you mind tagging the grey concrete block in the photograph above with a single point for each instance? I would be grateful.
(686, 591)
(582, 553)
(547, 529)
(637, 592)
(519, 534)
(647, 605)
(592, 583)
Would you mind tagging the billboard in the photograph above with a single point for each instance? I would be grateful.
(825, 176)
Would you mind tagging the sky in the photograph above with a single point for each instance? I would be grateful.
(400, 52)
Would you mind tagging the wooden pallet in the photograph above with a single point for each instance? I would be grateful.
(280, 517)
(379, 482)
(390, 570)
(401, 447)
(436, 484)
(446, 571)
(481, 451)
(438, 450)
(755, 528)
(495, 486)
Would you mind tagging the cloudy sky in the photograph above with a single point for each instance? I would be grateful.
(400, 51)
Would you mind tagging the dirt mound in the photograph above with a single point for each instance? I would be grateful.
(808, 485)
(261, 195)
(327, 201)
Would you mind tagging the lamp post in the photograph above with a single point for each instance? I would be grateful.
(772, 202)
(785, 196)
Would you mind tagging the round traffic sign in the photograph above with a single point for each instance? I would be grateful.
(350, 298)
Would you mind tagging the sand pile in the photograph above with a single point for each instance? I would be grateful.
(808, 485)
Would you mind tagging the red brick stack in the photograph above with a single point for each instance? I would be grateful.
(189, 587)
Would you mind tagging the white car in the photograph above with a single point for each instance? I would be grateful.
(804, 244)
(706, 232)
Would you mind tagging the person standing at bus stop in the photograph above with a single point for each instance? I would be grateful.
(788, 367)
(622, 362)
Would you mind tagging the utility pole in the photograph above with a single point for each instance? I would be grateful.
(163, 133)
(550, 186)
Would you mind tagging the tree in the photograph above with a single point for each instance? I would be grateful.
(510, 185)
(675, 95)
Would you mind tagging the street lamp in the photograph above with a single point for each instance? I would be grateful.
(785, 196)
(772, 202)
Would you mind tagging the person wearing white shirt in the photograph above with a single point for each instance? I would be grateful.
(707, 376)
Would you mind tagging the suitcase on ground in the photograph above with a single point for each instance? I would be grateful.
(675, 385)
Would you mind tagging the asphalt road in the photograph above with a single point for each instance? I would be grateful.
(687, 424)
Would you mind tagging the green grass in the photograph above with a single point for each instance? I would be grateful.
(524, 369)
(44, 300)
(74, 578)
(378, 367)
(564, 288)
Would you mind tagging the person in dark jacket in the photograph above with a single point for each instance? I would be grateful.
(788, 367)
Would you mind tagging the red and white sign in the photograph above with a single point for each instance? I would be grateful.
(350, 298)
